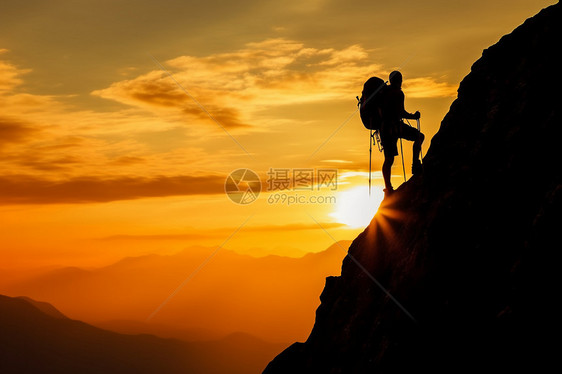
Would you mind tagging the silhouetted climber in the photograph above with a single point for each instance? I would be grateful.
(393, 128)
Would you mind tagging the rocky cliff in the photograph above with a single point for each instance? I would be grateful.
(456, 270)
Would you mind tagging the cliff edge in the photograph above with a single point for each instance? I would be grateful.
(456, 270)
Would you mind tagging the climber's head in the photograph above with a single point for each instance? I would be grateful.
(395, 79)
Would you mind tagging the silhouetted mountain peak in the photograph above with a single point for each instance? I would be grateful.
(33, 341)
(44, 307)
(465, 250)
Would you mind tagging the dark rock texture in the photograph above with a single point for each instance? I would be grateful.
(467, 249)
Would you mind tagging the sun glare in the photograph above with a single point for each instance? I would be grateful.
(355, 208)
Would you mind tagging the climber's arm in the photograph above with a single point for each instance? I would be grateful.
(405, 114)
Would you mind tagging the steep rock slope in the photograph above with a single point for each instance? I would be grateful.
(466, 250)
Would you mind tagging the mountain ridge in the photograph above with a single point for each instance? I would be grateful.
(131, 289)
(35, 339)
(464, 250)
(45, 307)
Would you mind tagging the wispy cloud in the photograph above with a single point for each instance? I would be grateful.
(15, 132)
(161, 131)
(156, 91)
(199, 233)
(238, 87)
(426, 87)
(22, 189)
(273, 72)
(10, 75)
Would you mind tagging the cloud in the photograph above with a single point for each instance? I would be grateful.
(14, 132)
(161, 237)
(10, 75)
(218, 232)
(129, 160)
(350, 55)
(337, 161)
(22, 189)
(271, 86)
(425, 87)
(232, 86)
(156, 90)
(294, 227)
(54, 164)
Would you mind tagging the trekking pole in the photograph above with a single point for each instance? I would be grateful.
(402, 153)
(370, 151)
(421, 147)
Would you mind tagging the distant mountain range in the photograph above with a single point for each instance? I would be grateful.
(270, 297)
(36, 338)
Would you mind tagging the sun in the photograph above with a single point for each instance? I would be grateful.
(355, 208)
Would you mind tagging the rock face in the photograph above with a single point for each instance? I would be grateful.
(466, 250)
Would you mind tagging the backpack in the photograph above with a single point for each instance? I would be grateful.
(371, 103)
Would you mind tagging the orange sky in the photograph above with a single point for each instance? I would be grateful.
(119, 123)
